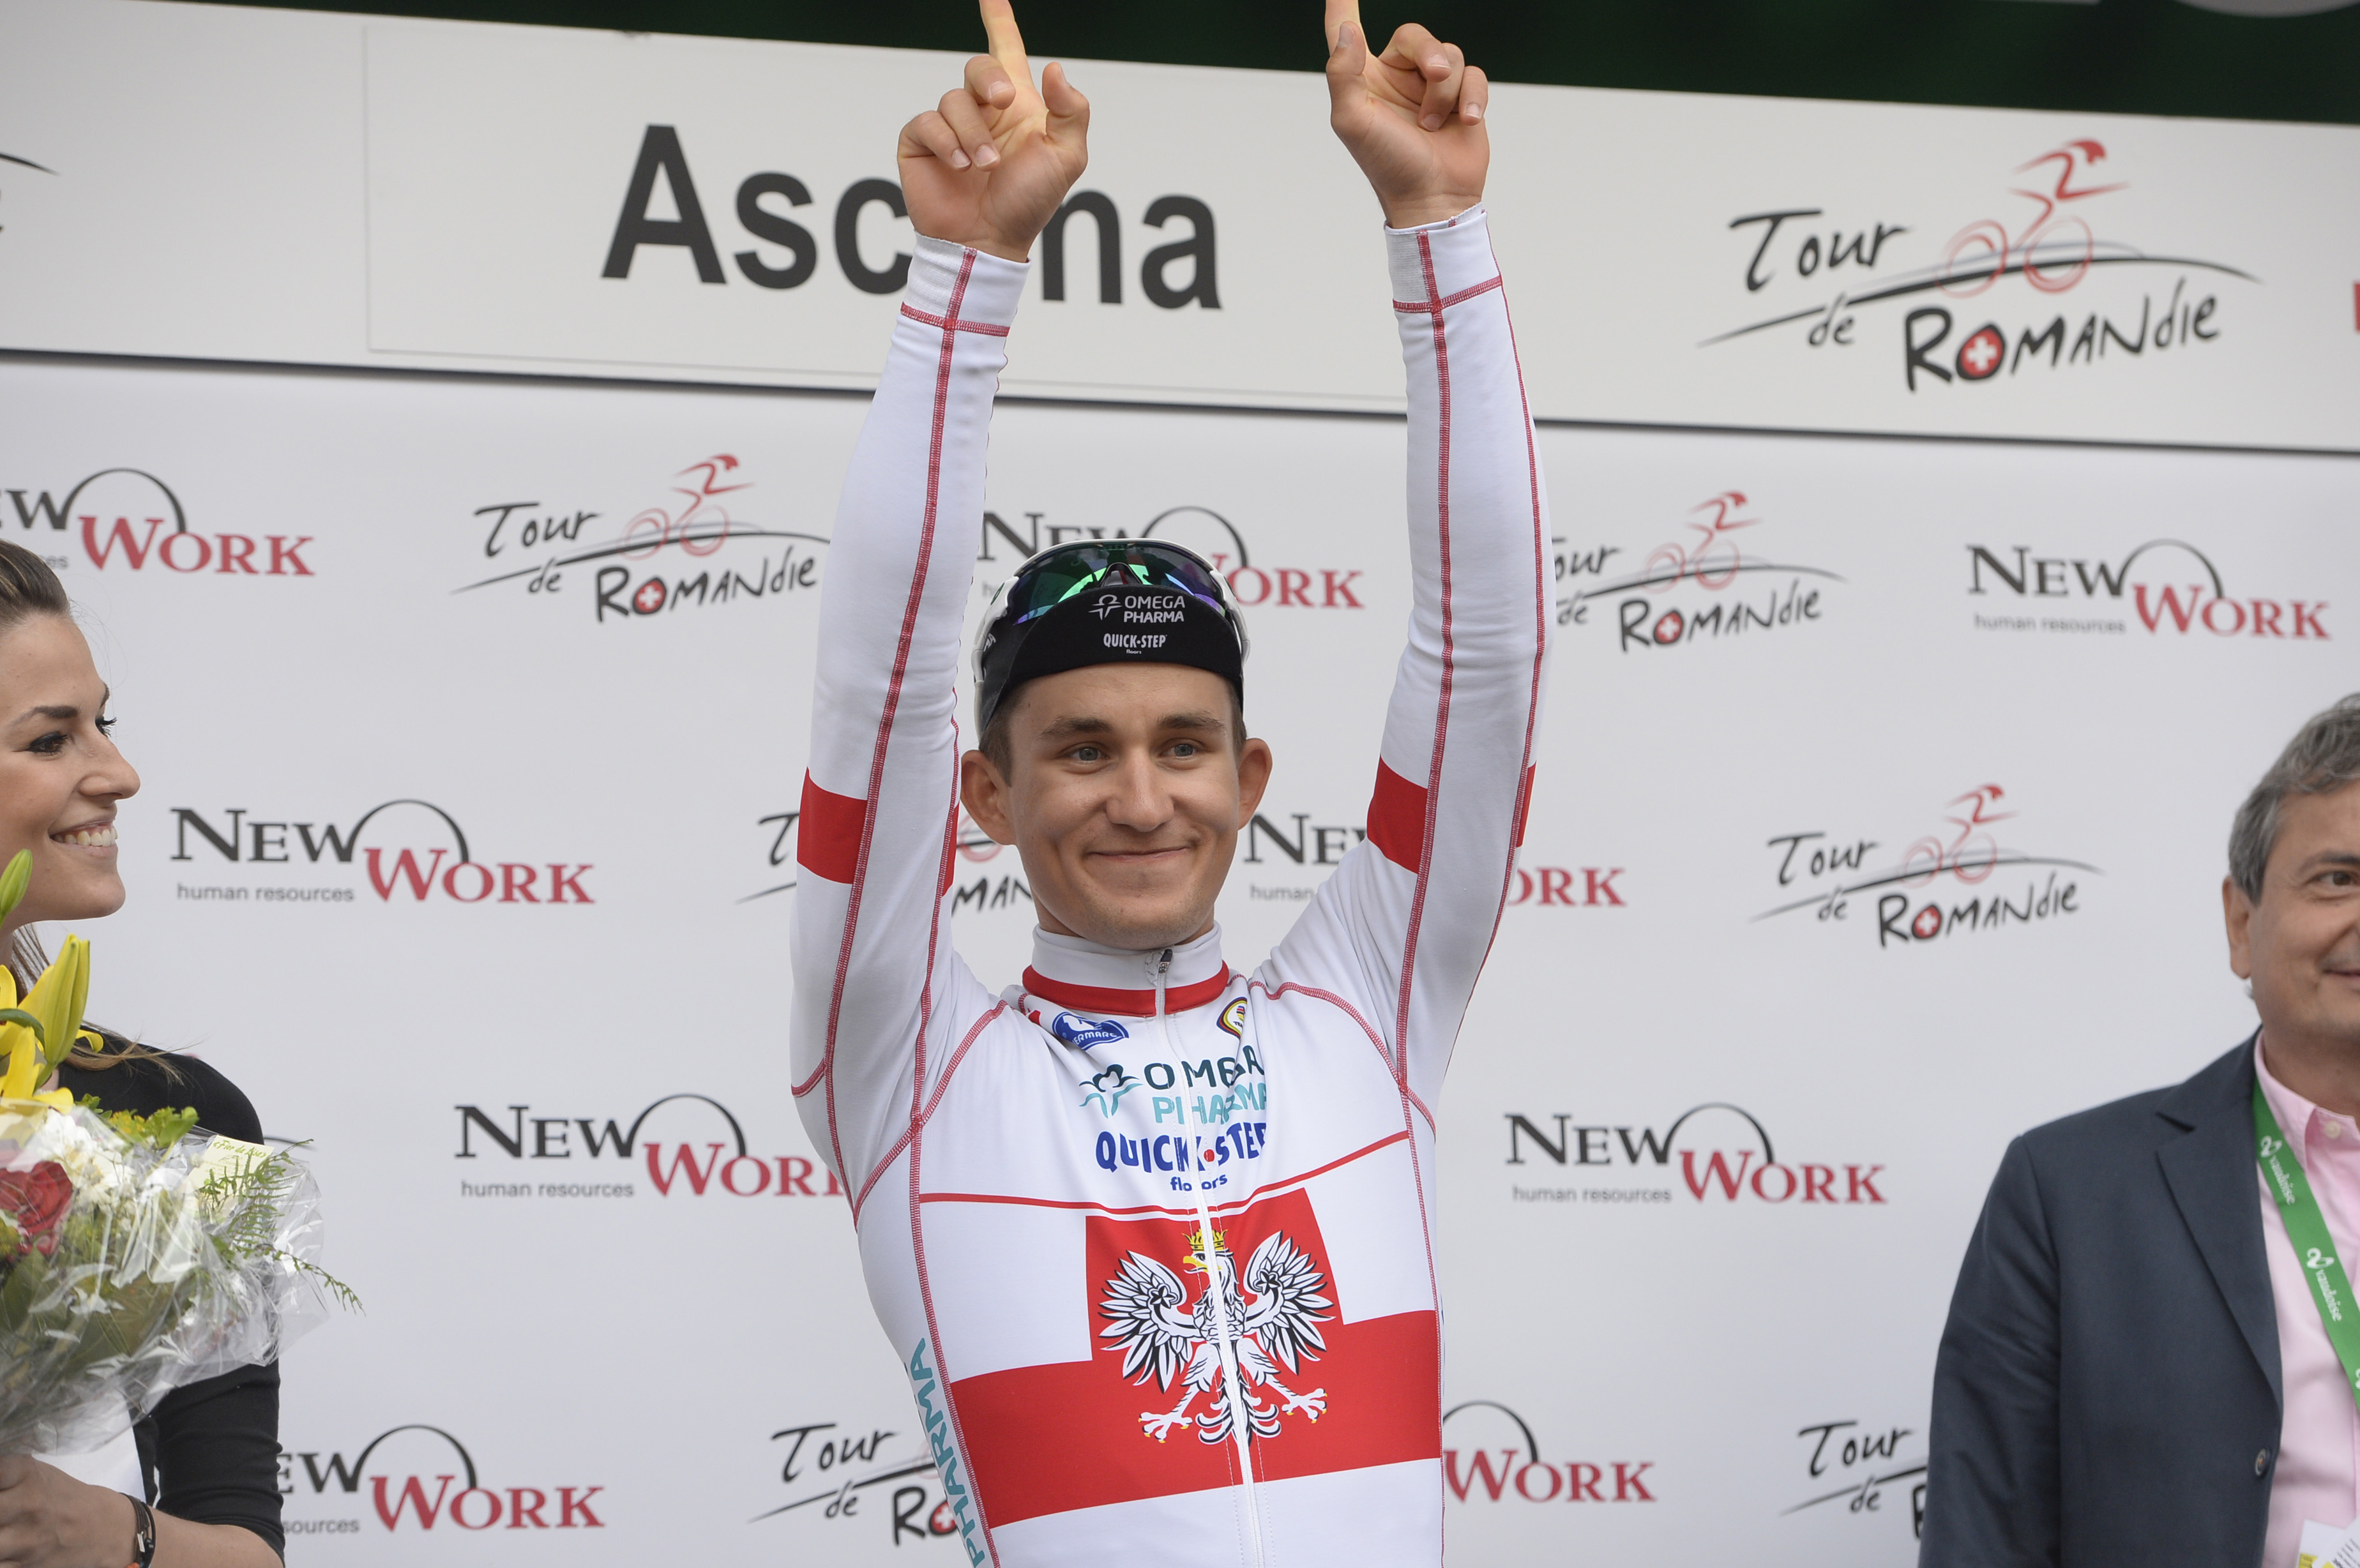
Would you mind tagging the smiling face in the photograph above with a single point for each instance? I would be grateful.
(59, 775)
(2299, 943)
(1125, 789)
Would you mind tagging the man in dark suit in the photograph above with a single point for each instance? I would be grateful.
(2138, 1366)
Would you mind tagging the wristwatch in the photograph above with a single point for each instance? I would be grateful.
(143, 1535)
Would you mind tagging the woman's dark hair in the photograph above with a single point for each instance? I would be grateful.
(28, 588)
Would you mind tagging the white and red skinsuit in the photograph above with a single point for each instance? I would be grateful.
(1032, 1170)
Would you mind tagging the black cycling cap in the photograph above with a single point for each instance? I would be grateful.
(1107, 602)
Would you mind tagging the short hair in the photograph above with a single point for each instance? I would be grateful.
(994, 742)
(2323, 757)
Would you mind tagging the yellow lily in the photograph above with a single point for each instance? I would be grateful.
(58, 997)
(27, 1065)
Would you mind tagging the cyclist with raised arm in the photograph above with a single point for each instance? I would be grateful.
(1153, 1239)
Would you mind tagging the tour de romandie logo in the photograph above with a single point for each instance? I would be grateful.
(692, 548)
(1960, 881)
(2032, 280)
(1716, 579)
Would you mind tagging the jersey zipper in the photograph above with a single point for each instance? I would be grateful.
(1241, 1421)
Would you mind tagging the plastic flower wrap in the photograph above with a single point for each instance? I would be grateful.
(136, 1254)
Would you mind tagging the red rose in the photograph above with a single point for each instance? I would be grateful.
(36, 1200)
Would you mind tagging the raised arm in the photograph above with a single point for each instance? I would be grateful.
(1417, 904)
(981, 173)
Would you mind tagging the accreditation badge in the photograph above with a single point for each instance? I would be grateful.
(2324, 1546)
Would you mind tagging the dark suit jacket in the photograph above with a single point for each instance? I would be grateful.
(2108, 1388)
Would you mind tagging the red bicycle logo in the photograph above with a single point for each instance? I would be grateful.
(1970, 856)
(1983, 251)
(1715, 560)
(703, 525)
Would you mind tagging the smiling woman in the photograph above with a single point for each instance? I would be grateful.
(207, 1454)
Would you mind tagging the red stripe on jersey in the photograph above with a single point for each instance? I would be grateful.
(1524, 795)
(1050, 1439)
(1397, 819)
(827, 833)
(1131, 1004)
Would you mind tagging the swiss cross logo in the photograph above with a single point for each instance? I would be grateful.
(1153, 1413)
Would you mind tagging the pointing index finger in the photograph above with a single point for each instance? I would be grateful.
(1340, 11)
(1007, 44)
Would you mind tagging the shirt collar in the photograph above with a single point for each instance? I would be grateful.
(1069, 971)
(2298, 1117)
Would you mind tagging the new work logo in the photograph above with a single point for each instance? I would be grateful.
(2171, 589)
(690, 550)
(1493, 1457)
(408, 851)
(415, 1477)
(1256, 585)
(1721, 1153)
(128, 519)
(1713, 581)
(693, 1164)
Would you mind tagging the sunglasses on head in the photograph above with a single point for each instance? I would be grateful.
(1055, 575)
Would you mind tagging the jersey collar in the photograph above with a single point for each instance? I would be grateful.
(1069, 971)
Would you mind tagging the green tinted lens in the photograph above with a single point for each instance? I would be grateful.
(1051, 582)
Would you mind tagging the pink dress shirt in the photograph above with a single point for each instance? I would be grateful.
(2317, 1473)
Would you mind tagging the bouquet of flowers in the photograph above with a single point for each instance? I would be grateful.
(136, 1254)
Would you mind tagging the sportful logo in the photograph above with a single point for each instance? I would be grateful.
(1935, 888)
(2045, 245)
(1514, 1470)
(120, 517)
(1198, 528)
(692, 551)
(1704, 585)
(2175, 591)
(396, 1497)
(687, 1169)
(1725, 1158)
(407, 865)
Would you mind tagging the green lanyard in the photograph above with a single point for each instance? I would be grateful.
(2314, 1249)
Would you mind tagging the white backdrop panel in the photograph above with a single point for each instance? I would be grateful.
(1841, 669)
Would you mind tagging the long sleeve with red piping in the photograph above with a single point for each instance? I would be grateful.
(873, 959)
(1410, 915)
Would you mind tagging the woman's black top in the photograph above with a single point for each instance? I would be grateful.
(209, 1450)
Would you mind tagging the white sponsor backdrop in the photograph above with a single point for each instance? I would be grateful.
(1868, 666)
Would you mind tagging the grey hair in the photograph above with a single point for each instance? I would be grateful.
(2323, 757)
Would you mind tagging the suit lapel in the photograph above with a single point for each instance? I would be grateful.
(2210, 1169)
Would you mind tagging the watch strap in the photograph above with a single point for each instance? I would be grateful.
(143, 1535)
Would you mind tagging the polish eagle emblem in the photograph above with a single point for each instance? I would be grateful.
(1162, 1335)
